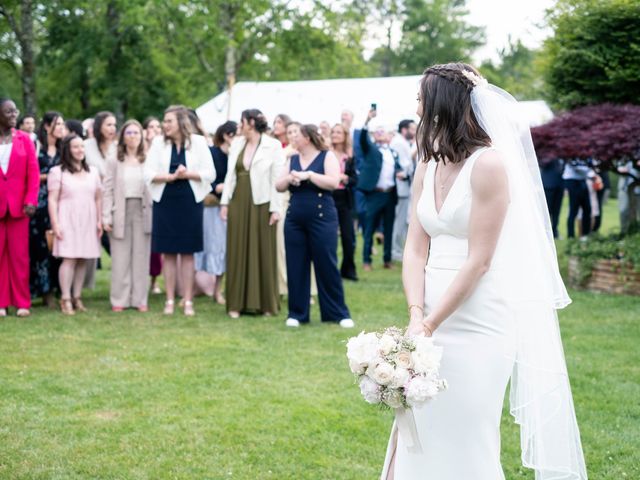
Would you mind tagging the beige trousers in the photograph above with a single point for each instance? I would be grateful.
(130, 260)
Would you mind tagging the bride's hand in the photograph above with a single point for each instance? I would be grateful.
(416, 326)
(427, 326)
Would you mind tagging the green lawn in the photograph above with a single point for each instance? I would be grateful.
(143, 396)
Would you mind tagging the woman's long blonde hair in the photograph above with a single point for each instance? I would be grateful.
(184, 123)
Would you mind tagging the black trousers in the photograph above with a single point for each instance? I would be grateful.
(311, 234)
(554, 203)
(578, 200)
(347, 234)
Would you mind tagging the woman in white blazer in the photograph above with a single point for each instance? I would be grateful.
(252, 205)
(179, 172)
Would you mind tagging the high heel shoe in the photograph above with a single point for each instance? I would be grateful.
(66, 306)
(78, 305)
(169, 306)
(188, 308)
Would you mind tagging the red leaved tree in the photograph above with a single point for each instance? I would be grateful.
(607, 133)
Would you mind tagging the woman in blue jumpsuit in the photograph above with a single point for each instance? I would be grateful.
(311, 230)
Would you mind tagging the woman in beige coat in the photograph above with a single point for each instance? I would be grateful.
(126, 217)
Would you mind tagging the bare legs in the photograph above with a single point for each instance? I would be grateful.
(171, 273)
(71, 277)
(209, 285)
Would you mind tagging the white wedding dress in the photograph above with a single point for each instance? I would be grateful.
(459, 430)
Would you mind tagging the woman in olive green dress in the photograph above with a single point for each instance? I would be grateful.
(251, 205)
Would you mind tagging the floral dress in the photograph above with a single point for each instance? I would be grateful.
(43, 276)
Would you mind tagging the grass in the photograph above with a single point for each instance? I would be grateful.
(132, 396)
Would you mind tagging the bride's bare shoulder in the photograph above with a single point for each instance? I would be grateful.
(489, 170)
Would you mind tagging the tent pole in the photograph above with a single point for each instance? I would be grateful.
(232, 81)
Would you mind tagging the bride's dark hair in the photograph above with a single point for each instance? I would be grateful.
(448, 129)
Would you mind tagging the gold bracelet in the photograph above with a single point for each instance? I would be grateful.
(416, 306)
(427, 327)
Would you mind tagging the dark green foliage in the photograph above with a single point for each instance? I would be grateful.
(594, 55)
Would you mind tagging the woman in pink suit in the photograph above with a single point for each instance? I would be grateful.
(19, 182)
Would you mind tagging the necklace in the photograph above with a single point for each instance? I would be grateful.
(443, 183)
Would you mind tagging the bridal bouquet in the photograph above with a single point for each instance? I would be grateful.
(395, 369)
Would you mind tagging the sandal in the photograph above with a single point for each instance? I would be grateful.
(169, 306)
(23, 312)
(78, 305)
(66, 306)
(188, 308)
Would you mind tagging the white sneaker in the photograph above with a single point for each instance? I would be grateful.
(292, 322)
(347, 323)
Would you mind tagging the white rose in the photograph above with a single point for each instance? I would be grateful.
(400, 377)
(420, 389)
(387, 344)
(382, 373)
(392, 398)
(403, 359)
(356, 367)
(361, 350)
(370, 390)
(426, 357)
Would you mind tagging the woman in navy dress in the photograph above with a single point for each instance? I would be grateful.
(179, 172)
(311, 230)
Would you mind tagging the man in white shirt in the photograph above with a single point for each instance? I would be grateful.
(401, 143)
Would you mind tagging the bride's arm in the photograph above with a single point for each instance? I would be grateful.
(414, 259)
(490, 194)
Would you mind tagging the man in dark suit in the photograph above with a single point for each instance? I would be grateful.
(377, 180)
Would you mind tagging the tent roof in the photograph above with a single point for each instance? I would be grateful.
(312, 101)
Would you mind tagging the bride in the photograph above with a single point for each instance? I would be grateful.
(481, 276)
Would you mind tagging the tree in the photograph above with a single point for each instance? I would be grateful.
(19, 16)
(607, 133)
(435, 31)
(518, 71)
(593, 56)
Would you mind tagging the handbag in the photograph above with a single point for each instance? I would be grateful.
(50, 236)
(210, 200)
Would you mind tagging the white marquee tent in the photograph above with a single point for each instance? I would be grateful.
(313, 101)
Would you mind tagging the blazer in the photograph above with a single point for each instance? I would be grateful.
(403, 149)
(114, 201)
(266, 166)
(20, 185)
(371, 163)
(94, 156)
(198, 159)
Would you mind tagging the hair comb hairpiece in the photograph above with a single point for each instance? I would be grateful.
(477, 80)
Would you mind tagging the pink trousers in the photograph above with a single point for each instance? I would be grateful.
(14, 262)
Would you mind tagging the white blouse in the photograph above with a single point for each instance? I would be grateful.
(133, 181)
(5, 154)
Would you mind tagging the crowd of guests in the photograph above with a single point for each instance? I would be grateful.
(264, 204)
(587, 187)
(256, 204)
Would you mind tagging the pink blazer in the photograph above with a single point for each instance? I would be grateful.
(19, 186)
